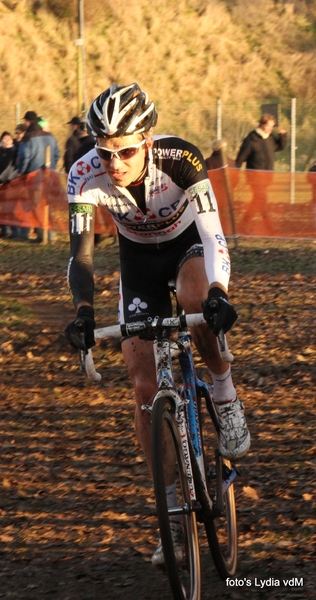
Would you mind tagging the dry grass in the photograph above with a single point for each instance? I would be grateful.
(186, 54)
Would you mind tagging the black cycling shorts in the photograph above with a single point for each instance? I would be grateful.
(146, 270)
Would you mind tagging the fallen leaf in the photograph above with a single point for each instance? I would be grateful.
(250, 492)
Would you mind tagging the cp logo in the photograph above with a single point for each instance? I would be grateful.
(83, 168)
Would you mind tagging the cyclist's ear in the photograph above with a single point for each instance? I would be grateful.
(149, 141)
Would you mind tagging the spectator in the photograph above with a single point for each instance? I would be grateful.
(7, 158)
(32, 151)
(19, 132)
(43, 123)
(311, 178)
(11, 172)
(72, 143)
(7, 155)
(313, 167)
(258, 148)
(86, 142)
(215, 160)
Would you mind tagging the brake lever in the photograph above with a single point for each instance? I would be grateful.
(226, 355)
(224, 351)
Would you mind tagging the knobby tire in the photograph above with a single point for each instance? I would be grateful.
(221, 530)
(184, 580)
(221, 533)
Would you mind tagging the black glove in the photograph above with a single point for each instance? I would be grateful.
(218, 312)
(82, 327)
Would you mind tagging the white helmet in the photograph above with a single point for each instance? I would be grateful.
(121, 111)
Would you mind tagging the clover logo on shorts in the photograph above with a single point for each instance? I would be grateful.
(137, 305)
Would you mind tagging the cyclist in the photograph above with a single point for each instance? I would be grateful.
(158, 192)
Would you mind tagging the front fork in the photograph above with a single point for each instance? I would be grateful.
(166, 387)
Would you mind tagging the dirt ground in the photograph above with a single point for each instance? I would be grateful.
(76, 503)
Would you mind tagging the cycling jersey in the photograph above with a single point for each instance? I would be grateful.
(177, 192)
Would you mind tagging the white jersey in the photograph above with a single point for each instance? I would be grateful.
(177, 192)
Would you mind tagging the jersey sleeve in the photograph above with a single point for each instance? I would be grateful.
(80, 267)
(203, 204)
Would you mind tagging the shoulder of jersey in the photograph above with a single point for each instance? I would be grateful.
(86, 165)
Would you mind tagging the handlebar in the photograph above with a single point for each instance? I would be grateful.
(129, 329)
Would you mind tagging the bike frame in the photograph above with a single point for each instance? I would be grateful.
(186, 401)
(187, 411)
(183, 422)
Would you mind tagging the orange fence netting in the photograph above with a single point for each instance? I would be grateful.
(251, 203)
(265, 203)
(40, 200)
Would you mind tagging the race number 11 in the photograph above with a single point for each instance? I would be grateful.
(203, 202)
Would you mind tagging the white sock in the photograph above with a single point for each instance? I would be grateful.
(223, 387)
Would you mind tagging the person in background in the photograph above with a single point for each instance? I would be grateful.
(19, 133)
(72, 143)
(86, 142)
(311, 178)
(7, 157)
(7, 153)
(215, 160)
(43, 123)
(32, 149)
(32, 152)
(312, 168)
(257, 151)
(258, 148)
(18, 232)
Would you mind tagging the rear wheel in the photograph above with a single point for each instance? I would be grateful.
(183, 575)
(221, 531)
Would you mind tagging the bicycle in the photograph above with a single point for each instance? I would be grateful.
(204, 483)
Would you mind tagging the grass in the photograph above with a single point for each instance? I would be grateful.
(185, 54)
(12, 311)
(265, 256)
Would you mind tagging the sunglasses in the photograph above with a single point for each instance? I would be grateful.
(122, 153)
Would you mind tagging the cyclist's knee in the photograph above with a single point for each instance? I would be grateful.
(190, 297)
(145, 389)
(191, 300)
(204, 340)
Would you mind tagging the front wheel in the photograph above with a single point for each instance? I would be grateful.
(169, 467)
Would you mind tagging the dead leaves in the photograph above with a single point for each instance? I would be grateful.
(76, 501)
(250, 492)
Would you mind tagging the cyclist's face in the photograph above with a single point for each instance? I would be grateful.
(123, 171)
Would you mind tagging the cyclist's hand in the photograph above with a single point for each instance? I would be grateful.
(218, 312)
(80, 332)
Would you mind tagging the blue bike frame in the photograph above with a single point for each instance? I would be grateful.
(189, 391)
